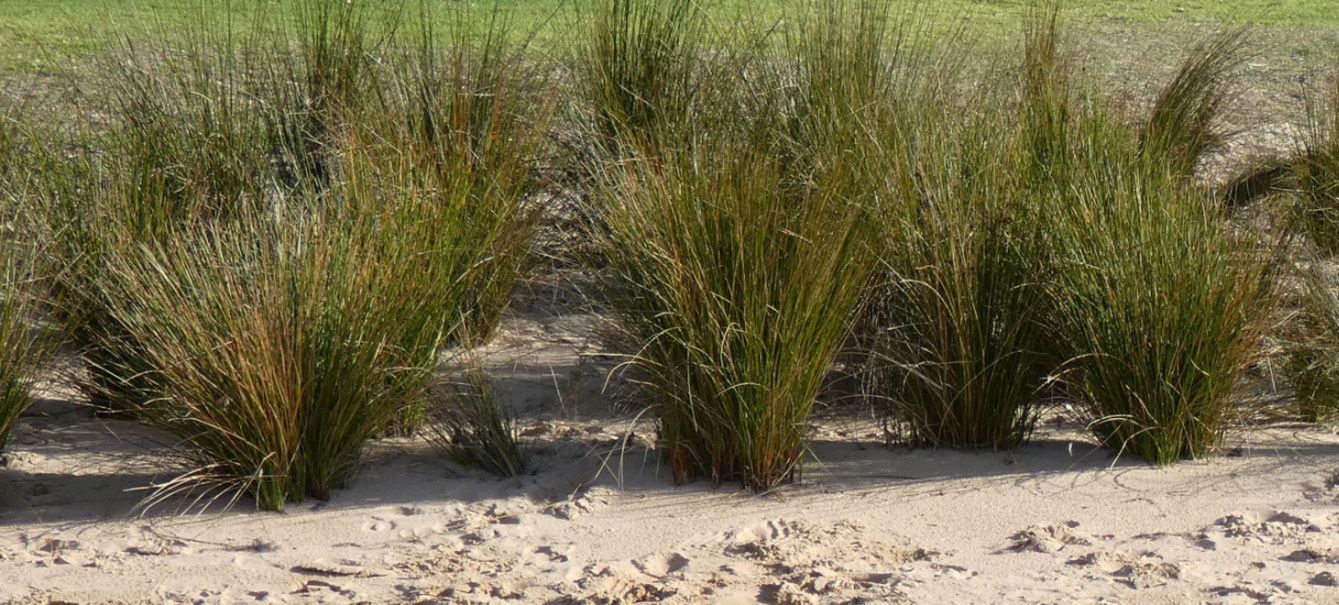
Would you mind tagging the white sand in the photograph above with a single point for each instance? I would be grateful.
(1055, 522)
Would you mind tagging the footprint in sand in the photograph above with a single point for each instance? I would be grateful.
(377, 525)
(770, 530)
(249, 562)
(552, 555)
(56, 546)
(586, 502)
(1278, 528)
(256, 545)
(759, 541)
(1137, 570)
(1048, 539)
(425, 530)
(1325, 490)
(502, 515)
(661, 564)
(1314, 554)
(158, 548)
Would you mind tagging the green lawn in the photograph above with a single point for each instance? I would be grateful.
(49, 48)
(39, 35)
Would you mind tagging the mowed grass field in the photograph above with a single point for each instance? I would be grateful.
(53, 52)
(38, 36)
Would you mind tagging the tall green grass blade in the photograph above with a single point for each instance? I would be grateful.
(1185, 123)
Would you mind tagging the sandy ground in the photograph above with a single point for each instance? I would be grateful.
(598, 521)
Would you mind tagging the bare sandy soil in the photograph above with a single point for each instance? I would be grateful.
(597, 521)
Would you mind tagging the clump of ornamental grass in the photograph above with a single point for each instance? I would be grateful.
(282, 341)
(277, 325)
(637, 68)
(1156, 305)
(1313, 354)
(1160, 304)
(277, 342)
(470, 121)
(1316, 171)
(472, 428)
(953, 326)
(186, 146)
(961, 341)
(739, 291)
(736, 270)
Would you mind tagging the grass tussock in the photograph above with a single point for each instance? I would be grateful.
(286, 234)
(1160, 305)
(1317, 172)
(472, 428)
(959, 352)
(952, 325)
(738, 291)
(1313, 356)
(1055, 235)
(1162, 308)
(278, 345)
(1156, 304)
(738, 259)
